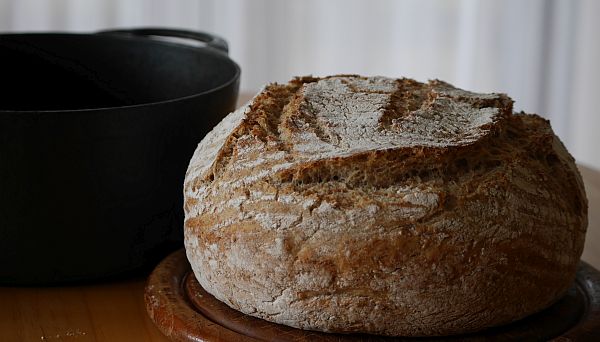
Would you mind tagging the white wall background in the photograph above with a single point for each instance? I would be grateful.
(544, 53)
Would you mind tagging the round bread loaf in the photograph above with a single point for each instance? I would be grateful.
(383, 206)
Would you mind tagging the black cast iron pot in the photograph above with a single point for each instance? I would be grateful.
(96, 132)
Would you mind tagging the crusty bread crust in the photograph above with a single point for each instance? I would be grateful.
(385, 206)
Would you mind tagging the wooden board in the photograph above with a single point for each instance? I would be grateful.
(184, 311)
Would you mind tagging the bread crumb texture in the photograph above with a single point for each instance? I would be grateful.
(384, 206)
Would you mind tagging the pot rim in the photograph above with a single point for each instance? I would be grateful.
(207, 49)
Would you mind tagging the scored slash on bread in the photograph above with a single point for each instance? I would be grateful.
(385, 206)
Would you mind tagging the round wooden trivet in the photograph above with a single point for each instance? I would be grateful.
(184, 311)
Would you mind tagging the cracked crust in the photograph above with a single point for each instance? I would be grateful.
(385, 206)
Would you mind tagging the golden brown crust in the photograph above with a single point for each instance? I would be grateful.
(392, 207)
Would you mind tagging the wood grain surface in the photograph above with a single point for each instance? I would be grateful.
(105, 312)
(115, 312)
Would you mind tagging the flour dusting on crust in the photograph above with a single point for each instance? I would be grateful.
(384, 206)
